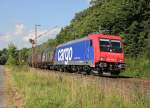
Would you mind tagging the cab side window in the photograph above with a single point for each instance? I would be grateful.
(91, 43)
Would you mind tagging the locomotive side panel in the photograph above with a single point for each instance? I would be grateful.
(77, 53)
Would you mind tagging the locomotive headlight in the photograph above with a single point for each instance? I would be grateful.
(120, 60)
(102, 59)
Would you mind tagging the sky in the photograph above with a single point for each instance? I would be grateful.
(18, 19)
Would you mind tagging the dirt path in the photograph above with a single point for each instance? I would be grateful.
(2, 98)
(13, 96)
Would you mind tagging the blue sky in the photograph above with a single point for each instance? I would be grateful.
(18, 18)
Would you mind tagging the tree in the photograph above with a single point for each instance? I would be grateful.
(3, 56)
(23, 56)
(12, 55)
(129, 18)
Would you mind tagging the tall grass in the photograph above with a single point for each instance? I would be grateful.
(137, 67)
(57, 90)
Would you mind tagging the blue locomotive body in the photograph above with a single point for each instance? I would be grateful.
(78, 52)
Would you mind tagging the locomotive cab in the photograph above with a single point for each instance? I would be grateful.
(109, 54)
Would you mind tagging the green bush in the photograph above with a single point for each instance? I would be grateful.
(137, 67)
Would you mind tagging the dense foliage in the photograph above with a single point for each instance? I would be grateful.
(3, 56)
(23, 56)
(128, 18)
(13, 56)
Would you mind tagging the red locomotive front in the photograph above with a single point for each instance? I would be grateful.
(108, 53)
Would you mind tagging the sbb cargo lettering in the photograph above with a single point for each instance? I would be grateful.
(65, 54)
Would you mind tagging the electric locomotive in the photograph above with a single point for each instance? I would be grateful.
(96, 53)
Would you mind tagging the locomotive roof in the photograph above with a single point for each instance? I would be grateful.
(90, 36)
(71, 42)
(104, 36)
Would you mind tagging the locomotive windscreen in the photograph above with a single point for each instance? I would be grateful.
(108, 45)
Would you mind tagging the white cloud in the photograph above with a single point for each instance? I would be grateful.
(43, 34)
(19, 29)
(49, 34)
(5, 37)
(20, 36)
(89, 1)
(8, 36)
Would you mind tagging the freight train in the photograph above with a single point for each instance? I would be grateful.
(96, 53)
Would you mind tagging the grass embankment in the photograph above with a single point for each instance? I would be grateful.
(13, 95)
(137, 67)
(57, 90)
